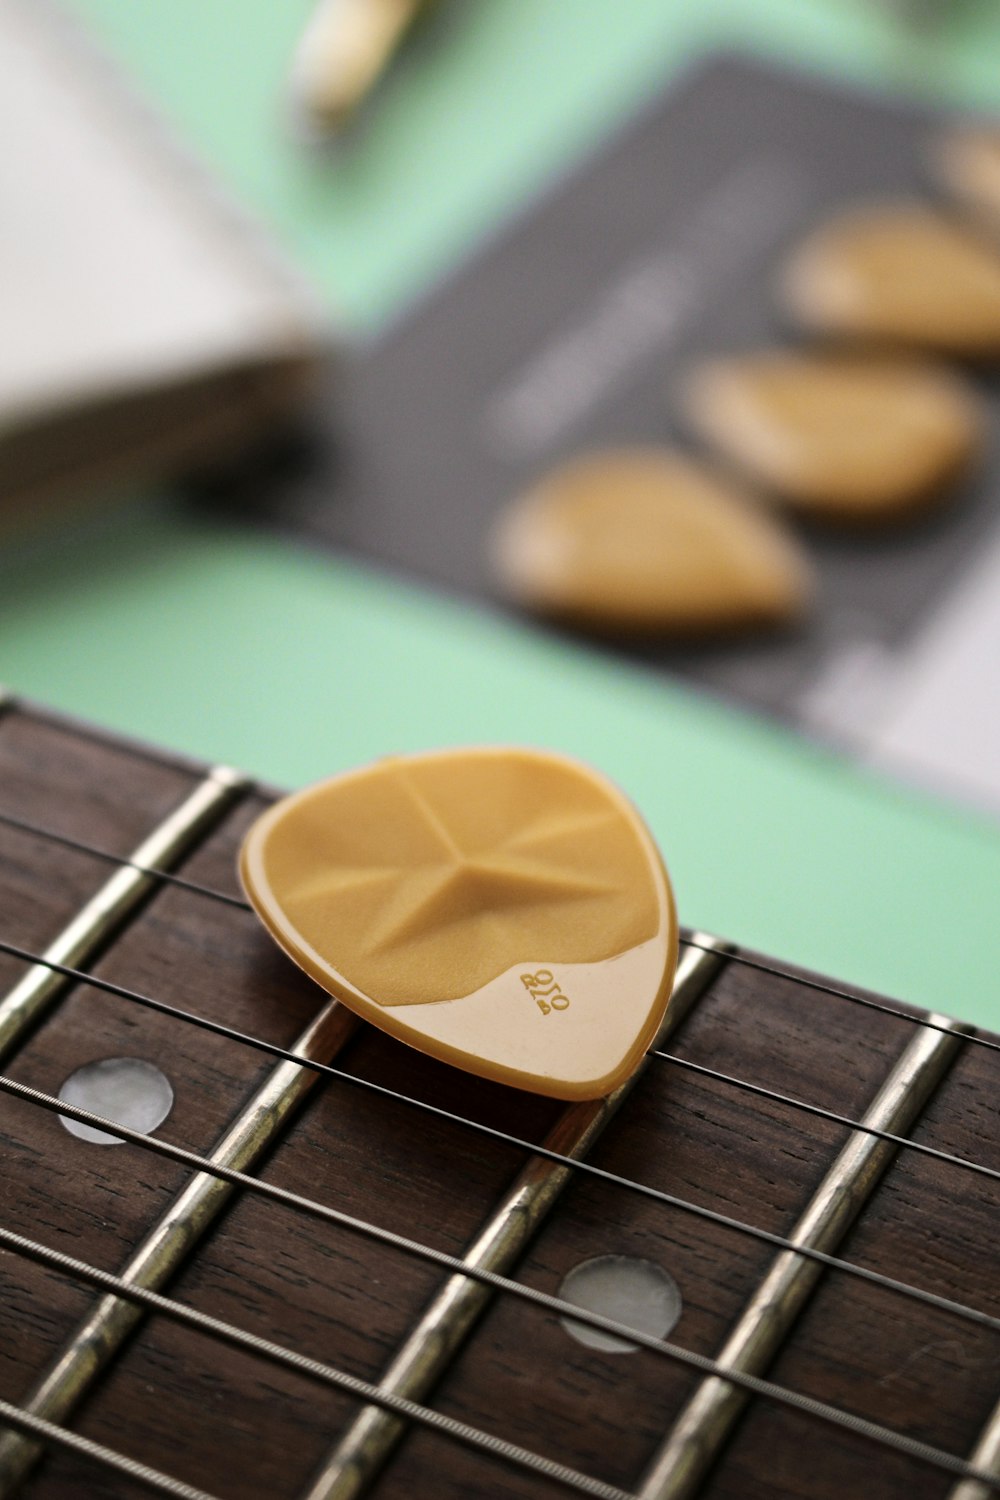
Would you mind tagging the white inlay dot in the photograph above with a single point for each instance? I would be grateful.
(125, 1089)
(635, 1292)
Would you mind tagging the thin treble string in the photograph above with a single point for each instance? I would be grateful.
(506, 1138)
(23, 826)
(734, 954)
(246, 1039)
(732, 1081)
(110, 1458)
(311, 1206)
(756, 1385)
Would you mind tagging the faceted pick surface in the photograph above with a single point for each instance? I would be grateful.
(504, 910)
(643, 540)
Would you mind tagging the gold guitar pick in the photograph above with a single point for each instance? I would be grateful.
(850, 438)
(901, 275)
(644, 540)
(504, 910)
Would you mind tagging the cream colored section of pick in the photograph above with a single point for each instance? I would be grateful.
(899, 274)
(608, 1007)
(643, 540)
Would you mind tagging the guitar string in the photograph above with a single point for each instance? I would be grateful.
(736, 956)
(758, 1089)
(211, 893)
(733, 954)
(208, 891)
(168, 877)
(246, 1039)
(219, 1028)
(519, 1143)
(704, 1364)
(780, 972)
(152, 1479)
(268, 1190)
(362, 1390)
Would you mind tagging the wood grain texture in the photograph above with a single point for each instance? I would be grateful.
(99, 793)
(242, 1428)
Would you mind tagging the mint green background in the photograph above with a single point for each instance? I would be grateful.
(214, 640)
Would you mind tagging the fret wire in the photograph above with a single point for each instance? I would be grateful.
(448, 1262)
(177, 1013)
(38, 1427)
(475, 1437)
(824, 988)
(22, 825)
(113, 903)
(736, 954)
(230, 1033)
(436, 1338)
(701, 1429)
(174, 1234)
(985, 1455)
(826, 1114)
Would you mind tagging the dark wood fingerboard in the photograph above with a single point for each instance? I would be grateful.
(241, 1429)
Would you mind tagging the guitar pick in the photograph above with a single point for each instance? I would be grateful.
(504, 910)
(967, 165)
(900, 274)
(855, 438)
(644, 540)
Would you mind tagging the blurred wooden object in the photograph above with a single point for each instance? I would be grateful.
(345, 49)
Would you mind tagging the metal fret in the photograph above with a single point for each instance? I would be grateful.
(985, 1455)
(371, 1438)
(451, 1427)
(703, 1426)
(40, 987)
(172, 1238)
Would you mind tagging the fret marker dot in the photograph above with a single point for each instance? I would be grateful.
(126, 1089)
(635, 1292)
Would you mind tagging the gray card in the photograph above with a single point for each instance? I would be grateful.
(567, 331)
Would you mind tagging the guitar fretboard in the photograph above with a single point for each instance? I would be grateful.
(332, 1267)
